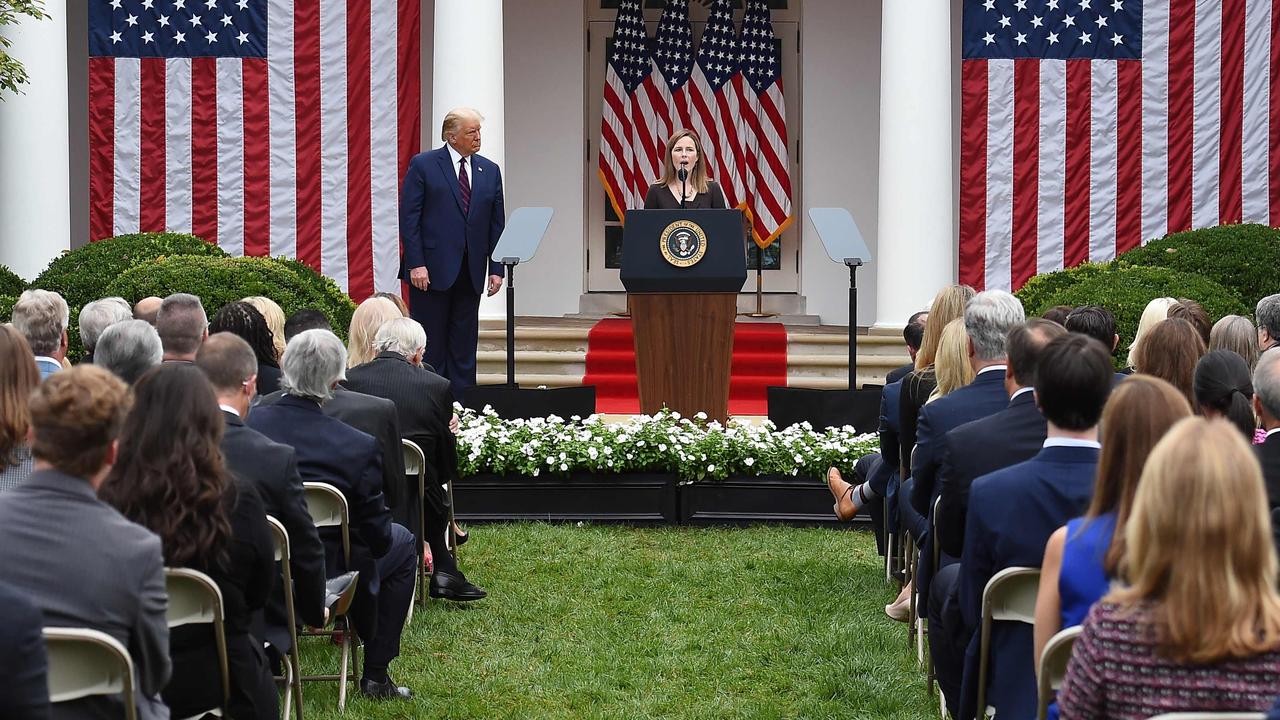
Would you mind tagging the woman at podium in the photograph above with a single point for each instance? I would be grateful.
(684, 182)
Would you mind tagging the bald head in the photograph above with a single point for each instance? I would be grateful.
(147, 308)
(232, 368)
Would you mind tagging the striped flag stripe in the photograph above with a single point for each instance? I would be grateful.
(177, 153)
(1256, 104)
(102, 83)
(230, 154)
(1102, 161)
(152, 137)
(1129, 153)
(1230, 150)
(1050, 185)
(257, 172)
(1026, 168)
(127, 165)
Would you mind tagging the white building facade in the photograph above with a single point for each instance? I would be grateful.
(872, 92)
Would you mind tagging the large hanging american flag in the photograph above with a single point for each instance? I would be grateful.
(730, 93)
(1090, 126)
(267, 126)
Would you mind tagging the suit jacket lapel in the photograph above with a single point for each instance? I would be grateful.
(445, 160)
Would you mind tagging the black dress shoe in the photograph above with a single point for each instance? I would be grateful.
(452, 587)
(384, 690)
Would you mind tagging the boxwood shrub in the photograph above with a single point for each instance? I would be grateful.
(220, 280)
(1126, 290)
(1242, 258)
(1037, 291)
(6, 307)
(10, 282)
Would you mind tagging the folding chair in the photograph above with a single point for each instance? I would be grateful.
(292, 678)
(937, 557)
(194, 599)
(1211, 716)
(84, 662)
(415, 466)
(328, 508)
(1053, 666)
(1010, 596)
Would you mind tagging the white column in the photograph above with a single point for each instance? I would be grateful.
(467, 71)
(35, 196)
(916, 238)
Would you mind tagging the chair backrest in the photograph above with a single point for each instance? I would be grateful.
(84, 662)
(1053, 666)
(195, 599)
(415, 461)
(328, 508)
(1010, 596)
(1211, 716)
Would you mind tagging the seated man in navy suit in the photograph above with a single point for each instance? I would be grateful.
(988, 317)
(328, 450)
(1098, 323)
(1012, 513)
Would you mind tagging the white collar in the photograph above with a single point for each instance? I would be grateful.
(991, 368)
(1273, 430)
(46, 358)
(228, 408)
(1071, 442)
(1021, 391)
(456, 157)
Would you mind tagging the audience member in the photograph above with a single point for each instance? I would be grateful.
(1266, 403)
(129, 349)
(81, 562)
(912, 335)
(397, 300)
(24, 676)
(1194, 313)
(331, 451)
(97, 316)
(1267, 313)
(1012, 513)
(1083, 557)
(1057, 314)
(243, 320)
(232, 366)
(951, 366)
(42, 316)
(1197, 627)
(147, 308)
(182, 325)
(274, 315)
(987, 319)
(425, 406)
(18, 377)
(365, 321)
(1237, 334)
(1156, 312)
(169, 478)
(1095, 321)
(1170, 351)
(1224, 388)
(307, 319)
(1008, 437)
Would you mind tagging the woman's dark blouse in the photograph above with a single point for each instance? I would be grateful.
(660, 198)
(916, 388)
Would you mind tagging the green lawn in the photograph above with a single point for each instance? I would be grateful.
(610, 622)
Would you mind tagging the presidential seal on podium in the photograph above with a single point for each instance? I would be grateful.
(683, 243)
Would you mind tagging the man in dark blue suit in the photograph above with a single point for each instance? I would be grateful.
(328, 450)
(451, 216)
(1012, 513)
(988, 317)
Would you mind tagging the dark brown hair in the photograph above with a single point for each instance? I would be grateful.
(76, 414)
(1140, 411)
(18, 377)
(169, 476)
(1170, 351)
(1194, 313)
(395, 298)
(1024, 344)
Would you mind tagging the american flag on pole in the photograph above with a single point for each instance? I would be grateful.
(715, 90)
(672, 50)
(630, 145)
(1090, 126)
(270, 127)
(768, 170)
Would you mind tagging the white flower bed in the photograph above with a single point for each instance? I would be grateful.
(695, 449)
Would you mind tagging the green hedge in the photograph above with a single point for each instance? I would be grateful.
(220, 280)
(1126, 290)
(82, 275)
(1039, 291)
(1242, 258)
(6, 307)
(334, 298)
(10, 282)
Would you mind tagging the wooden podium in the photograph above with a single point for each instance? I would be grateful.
(683, 270)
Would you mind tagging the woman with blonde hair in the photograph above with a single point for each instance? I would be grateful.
(274, 315)
(1156, 312)
(951, 366)
(1083, 556)
(683, 153)
(19, 376)
(1197, 627)
(365, 321)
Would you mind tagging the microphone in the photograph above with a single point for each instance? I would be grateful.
(683, 174)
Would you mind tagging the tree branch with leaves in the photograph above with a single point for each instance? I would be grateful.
(12, 73)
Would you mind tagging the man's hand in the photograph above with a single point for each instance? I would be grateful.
(495, 284)
(453, 424)
(418, 278)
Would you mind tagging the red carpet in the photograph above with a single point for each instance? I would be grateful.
(759, 360)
